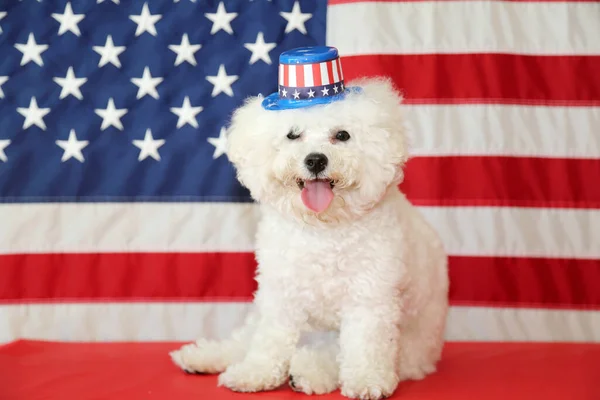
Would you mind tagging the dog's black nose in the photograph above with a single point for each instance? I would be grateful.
(315, 162)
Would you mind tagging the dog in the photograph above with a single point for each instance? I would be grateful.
(339, 247)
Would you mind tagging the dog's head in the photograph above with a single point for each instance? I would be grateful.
(325, 163)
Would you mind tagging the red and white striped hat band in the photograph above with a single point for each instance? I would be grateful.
(311, 75)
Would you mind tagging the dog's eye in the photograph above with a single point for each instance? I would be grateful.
(342, 136)
(292, 135)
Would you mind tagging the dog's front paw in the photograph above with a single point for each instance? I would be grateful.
(252, 377)
(204, 357)
(314, 370)
(369, 386)
(315, 384)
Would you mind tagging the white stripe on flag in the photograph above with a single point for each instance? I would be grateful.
(493, 129)
(308, 75)
(536, 27)
(182, 227)
(324, 74)
(188, 321)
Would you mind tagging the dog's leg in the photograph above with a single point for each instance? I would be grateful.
(369, 351)
(266, 364)
(314, 369)
(423, 340)
(212, 356)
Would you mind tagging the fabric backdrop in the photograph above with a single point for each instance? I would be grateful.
(120, 215)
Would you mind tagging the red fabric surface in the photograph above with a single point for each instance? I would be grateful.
(121, 371)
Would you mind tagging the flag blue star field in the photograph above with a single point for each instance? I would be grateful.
(121, 217)
(127, 102)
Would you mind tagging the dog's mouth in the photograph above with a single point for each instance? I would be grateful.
(302, 182)
(316, 194)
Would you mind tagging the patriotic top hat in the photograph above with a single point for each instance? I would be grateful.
(308, 76)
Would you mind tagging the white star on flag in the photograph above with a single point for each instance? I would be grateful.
(109, 53)
(68, 21)
(325, 91)
(145, 21)
(111, 115)
(149, 146)
(260, 50)
(186, 113)
(185, 51)
(311, 93)
(2, 15)
(3, 80)
(220, 143)
(31, 51)
(70, 84)
(222, 82)
(221, 19)
(33, 115)
(3, 145)
(147, 84)
(296, 19)
(72, 147)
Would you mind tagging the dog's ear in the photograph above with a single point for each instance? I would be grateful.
(241, 130)
(248, 145)
(388, 98)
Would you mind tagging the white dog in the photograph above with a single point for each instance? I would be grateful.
(339, 248)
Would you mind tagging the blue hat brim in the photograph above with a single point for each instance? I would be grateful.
(275, 103)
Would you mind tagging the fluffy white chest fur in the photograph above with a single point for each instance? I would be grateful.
(339, 248)
(389, 258)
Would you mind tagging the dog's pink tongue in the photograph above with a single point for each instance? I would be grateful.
(317, 195)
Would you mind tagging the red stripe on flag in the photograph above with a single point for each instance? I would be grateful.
(503, 181)
(485, 78)
(317, 74)
(127, 276)
(230, 277)
(525, 282)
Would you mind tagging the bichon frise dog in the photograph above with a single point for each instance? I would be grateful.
(338, 246)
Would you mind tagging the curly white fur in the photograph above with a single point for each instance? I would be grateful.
(369, 267)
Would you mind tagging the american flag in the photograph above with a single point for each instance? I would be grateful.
(120, 215)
